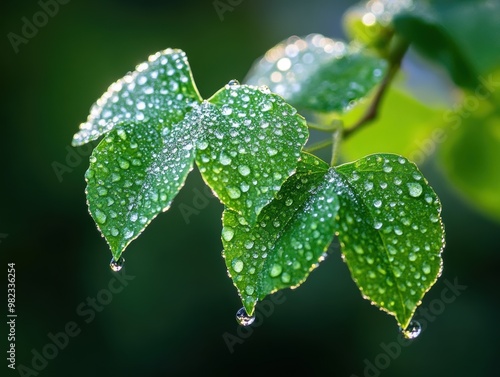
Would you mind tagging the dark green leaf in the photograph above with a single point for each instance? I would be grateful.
(250, 145)
(318, 73)
(289, 238)
(134, 174)
(391, 232)
(159, 93)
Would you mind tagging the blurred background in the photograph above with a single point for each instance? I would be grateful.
(175, 313)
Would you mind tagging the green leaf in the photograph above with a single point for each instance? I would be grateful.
(134, 174)
(471, 155)
(288, 240)
(370, 22)
(391, 232)
(456, 34)
(318, 73)
(385, 214)
(159, 93)
(250, 145)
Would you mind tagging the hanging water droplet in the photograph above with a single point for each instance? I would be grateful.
(414, 189)
(412, 331)
(243, 318)
(116, 265)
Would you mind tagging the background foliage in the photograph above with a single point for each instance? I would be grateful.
(171, 317)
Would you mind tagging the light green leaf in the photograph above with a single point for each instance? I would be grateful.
(250, 145)
(318, 73)
(471, 156)
(391, 232)
(159, 93)
(134, 174)
(289, 238)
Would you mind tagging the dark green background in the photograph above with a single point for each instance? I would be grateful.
(171, 318)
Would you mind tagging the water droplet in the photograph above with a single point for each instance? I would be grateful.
(434, 218)
(271, 151)
(414, 189)
(233, 83)
(243, 318)
(412, 331)
(266, 106)
(224, 160)
(377, 225)
(233, 192)
(102, 191)
(285, 278)
(249, 244)
(237, 265)
(124, 164)
(227, 233)
(100, 216)
(377, 203)
(202, 145)
(116, 265)
(275, 270)
(226, 110)
(289, 202)
(244, 170)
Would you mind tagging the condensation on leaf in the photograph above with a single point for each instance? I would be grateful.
(251, 144)
(159, 92)
(392, 235)
(289, 238)
(317, 73)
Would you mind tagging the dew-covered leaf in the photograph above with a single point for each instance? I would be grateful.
(159, 92)
(134, 174)
(290, 237)
(250, 145)
(391, 232)
(318, 73)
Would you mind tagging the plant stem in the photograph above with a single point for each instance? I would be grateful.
(319, 145)
(336, 139)
(398, 50)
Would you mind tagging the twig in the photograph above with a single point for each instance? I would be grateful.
(396, 56)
